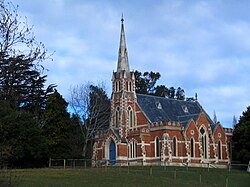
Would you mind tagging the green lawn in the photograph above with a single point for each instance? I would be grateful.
(136, 176)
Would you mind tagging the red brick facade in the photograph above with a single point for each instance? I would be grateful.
(138, 139)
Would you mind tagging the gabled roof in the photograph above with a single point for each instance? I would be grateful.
(166, 109)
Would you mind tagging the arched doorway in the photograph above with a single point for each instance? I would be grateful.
(112, 152)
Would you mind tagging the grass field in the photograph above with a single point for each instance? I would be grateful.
(116, 176)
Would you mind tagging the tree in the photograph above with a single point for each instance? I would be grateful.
(57, 126)
(76, 138)
(145, 82)
(21, 79)
(92, 105)
(180, 94)
(241, 137)
(161, 91)
(172, 92)
(23, 86)
(16, 37)
(21, 142)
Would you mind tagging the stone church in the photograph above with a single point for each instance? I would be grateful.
(148, 129)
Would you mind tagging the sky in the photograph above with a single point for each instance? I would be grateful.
(201, 46)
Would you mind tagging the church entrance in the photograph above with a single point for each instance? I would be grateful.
(112, 152)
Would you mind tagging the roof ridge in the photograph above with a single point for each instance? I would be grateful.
(196, 114)
(167, 98)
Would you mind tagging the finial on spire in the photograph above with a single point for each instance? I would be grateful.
(122, 20)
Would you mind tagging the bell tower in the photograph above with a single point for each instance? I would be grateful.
(123, 92)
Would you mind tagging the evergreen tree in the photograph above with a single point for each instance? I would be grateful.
(172, 92)
(22, 143)
(180, 94)
(57, 127)
(21, 79)
(161, 91)
(145, 82)
(76, 138)
(22, 92)
(22, 85)
(241, 137)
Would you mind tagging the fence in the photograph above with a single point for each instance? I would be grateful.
(84, 163)
(201, 175)
(69, 163)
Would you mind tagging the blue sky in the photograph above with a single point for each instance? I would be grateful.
(201, 46)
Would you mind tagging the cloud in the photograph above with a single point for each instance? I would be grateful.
(202, 46)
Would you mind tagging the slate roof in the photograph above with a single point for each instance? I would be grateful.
(166, 109)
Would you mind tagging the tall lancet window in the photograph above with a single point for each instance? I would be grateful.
(157, 147)
(204, 142)
(117, 117)
(129, 86)
(130, 117)
(174, 146)
(192, 148)
(219, 150)
(133, 149)
(117, 86)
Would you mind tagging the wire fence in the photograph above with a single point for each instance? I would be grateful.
(70, 163)
(87, 163)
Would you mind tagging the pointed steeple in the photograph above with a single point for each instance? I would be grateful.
(123, 53)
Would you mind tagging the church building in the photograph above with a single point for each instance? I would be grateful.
(147, 129)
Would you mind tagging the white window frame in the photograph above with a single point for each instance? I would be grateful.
(130, 117)
(133, 149)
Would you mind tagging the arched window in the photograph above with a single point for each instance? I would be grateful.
(130, 86)
(157, 147)
(112, 152)
(219, 149)
(130, 117)
(204, 142)
(117, 86)
(103, 152)
(117, 117)
(133, 149)
(174, 146)
(192, 148)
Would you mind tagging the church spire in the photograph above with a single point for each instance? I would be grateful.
(123, 53)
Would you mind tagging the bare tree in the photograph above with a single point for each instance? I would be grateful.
(91, 104)
(16, 37)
